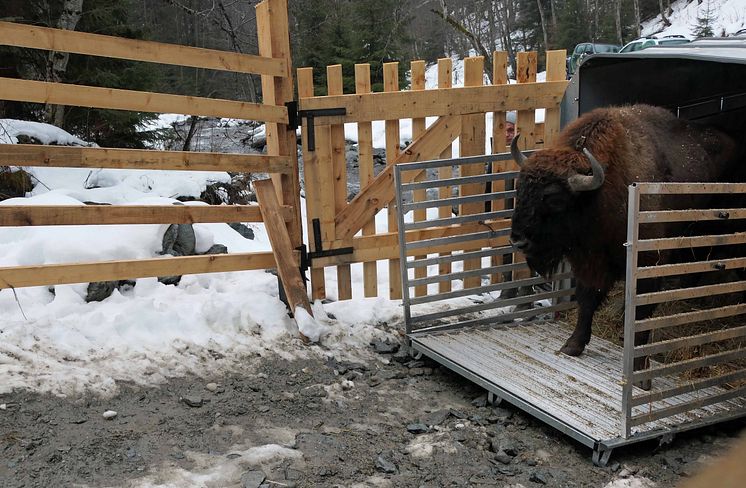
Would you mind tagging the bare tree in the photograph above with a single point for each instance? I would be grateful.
(618, 20)
(663, 13)
(543, 23)
(638, 21)
(72, 10)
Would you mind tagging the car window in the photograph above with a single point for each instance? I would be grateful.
(588, 49)
(631, 47)
(606, 48)
(648, 44)
(670, 42)
(579, 48)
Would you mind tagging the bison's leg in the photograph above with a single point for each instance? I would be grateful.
(589, 299)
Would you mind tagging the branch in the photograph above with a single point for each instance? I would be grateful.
(475, 41)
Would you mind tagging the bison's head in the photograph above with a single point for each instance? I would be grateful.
(551, 199)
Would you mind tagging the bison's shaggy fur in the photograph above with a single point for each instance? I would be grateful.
(554, 219)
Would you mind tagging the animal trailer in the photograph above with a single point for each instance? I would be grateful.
(478, 311)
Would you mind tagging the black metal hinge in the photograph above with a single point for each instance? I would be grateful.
(320, 252)
(311, 114)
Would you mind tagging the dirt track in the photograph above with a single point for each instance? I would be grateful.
(363, 433)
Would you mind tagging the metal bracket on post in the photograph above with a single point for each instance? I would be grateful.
(601, 456)
(320, 252)
(310, 115)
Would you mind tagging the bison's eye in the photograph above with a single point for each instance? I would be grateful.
(554, 198)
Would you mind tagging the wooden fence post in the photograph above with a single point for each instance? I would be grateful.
(339, 183)
(391, 83)
(445, 80)
(418, 128)
(312, 185)
(556, 71)
(472, 143)
(365, 164)
(274, 42)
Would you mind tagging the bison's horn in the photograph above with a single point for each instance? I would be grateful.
(588, 183)
(518, 156)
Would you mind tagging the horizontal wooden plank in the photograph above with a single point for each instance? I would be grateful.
(652, 217)
(690, 317)
(94, 157)
(686, 268)
(112, 98)
(687, 242)
(688, 293)
(688, 387)
(702, 401)
(28, 36)
(58, 274)
(684, 188)
(441, 102)
(23, 215)
(690, 341)
(680, 366)
(386, 246)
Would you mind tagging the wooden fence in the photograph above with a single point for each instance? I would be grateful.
(273, 64)
(334, 223)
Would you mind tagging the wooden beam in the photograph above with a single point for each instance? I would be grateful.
(380, 192)
(391, 84)
(94, 157)
(445, 80)
(287, 268)
(313, 186)
(556, 71)
(449, 101)
(365, 163)
(112, 98)
(418, 128)
(59, 274)
(33, 37)
(386, 246)
(24, 215)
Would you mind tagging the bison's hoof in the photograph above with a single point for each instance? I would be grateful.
(572, 349)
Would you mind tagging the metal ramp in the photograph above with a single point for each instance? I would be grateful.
(509, 345)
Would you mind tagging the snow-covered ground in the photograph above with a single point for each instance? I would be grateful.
(729, 17)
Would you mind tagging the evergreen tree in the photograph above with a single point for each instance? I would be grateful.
(705, 20)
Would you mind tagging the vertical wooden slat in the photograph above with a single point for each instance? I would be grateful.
(339, 163)
(556, 71)
(365, 164)
(391, 83)
(472, 143)
(526, 124)
(418, 127)
(312, 185)
(274, 42)
(499, 77)
(445, 80)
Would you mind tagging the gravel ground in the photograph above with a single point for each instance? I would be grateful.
(387, 421)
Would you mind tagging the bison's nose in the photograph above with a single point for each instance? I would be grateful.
(518, 241)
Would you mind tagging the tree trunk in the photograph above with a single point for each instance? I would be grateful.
(618, 21)
(663, 13)
(57, 61)
(543, 24)
(638, 21)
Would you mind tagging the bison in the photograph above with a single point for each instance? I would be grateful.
(571, 200)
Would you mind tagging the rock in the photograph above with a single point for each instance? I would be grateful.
(543, 455)
(384, 465)
(401, 356)
(417, 372)
(417, 428)
(503, 458)
(384, 347)
(627, 471)
(531, 462)
(347, 385)
(264, 409)
(458, 414)
(217, 249)
(615, 466)
(99, 291)
(14, 183)
(3, 406)
(415, 364)
(169, 280)
(245, 231)
(436, 418)
(538, 477)
(109, 414)
(236, 192)
(252, 479)
(480, 401)
(509, 448)
(193, 401)
(316, 391)
(211, 386)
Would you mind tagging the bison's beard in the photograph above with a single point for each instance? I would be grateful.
(544, 261)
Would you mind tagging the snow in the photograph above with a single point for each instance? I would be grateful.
(633, 482)
(730, 17)
(10, 129)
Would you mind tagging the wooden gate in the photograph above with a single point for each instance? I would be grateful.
(342, 233)
(275, 67)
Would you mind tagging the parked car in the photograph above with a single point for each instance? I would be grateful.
(586, 48)
(646, 42)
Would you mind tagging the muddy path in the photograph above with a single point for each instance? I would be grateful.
(387, 421)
